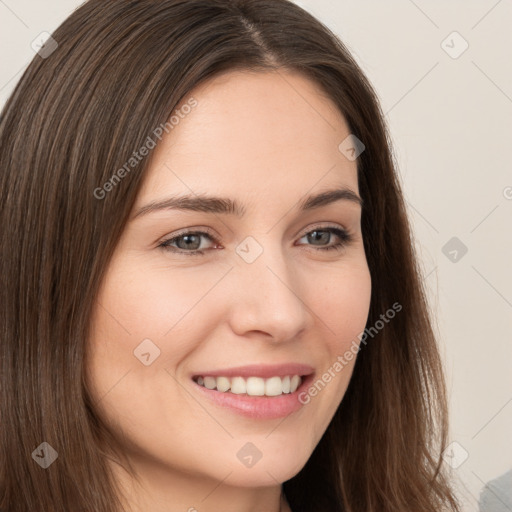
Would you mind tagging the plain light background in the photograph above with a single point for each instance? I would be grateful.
(449, 110)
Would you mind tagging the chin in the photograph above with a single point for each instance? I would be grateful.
(263, 462)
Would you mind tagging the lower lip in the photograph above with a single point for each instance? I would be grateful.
(259, 407)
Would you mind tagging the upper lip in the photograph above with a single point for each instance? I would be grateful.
(257, 370)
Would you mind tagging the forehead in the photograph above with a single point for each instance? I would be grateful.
(253, 132)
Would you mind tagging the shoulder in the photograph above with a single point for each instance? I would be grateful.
(496, 496)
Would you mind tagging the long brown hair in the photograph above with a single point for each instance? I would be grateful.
(75, 118)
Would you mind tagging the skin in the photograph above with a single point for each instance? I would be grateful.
(266, 140)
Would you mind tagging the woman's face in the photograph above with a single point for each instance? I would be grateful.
(262, 305)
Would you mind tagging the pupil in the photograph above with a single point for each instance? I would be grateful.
(187, 239)
(314, 235)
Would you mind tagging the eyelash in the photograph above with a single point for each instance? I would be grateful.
(345, 236)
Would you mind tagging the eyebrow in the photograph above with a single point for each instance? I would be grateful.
(222, 205)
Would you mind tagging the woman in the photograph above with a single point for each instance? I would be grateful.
(211, 299)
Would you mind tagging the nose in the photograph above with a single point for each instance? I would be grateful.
(269, 297)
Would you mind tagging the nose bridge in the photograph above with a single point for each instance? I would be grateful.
(268, 295)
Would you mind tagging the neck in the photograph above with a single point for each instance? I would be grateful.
(159, 490)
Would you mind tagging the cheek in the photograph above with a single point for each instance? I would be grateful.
(156, 300)
(157, 303)
(343, 304)
(342, 308)
(137, 313)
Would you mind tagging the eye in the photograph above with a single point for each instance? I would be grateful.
(324, 234)
(189, 242)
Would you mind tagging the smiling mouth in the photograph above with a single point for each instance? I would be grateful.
(251, 386)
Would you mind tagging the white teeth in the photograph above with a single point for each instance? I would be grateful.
(223, 384)
(274, 386)
(294, 383)
(255, 386)
(210, 382)
(286, 384)
(252, 386)
(238, 386)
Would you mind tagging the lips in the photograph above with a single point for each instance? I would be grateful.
(257, 391)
